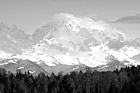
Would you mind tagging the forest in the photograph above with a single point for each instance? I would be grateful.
(126, 80)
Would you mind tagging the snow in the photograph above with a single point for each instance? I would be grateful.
(4, 55)
(21, 67)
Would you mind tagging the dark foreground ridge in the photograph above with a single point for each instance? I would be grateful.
(126, 80)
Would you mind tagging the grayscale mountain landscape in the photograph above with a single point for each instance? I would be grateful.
(69, 46)
(66, 43)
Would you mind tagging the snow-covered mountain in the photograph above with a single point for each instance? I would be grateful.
(73, 40)
(69, 40)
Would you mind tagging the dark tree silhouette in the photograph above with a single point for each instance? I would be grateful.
(126, 80)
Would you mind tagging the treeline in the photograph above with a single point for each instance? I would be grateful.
(127, 80)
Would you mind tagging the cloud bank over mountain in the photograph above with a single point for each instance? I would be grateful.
(135, 19)
(12, 39)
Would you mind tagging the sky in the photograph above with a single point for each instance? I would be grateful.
(30, 14)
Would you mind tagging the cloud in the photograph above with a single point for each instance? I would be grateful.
(95, 27)
(135, 19)
(80, 30)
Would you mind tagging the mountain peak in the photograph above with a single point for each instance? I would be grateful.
(82, 22)
(72, 40)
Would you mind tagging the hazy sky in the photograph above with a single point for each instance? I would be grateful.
(28, 14)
